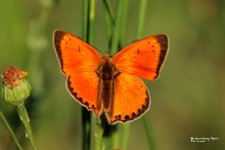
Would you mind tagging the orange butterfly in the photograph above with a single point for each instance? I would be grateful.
(111, 85)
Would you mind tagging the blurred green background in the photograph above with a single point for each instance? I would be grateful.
(187, 101)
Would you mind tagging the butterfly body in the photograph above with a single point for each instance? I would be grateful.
(111, 84)
(107, 72)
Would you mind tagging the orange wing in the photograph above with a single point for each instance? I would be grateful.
(131, 99)
(78, 62)
(144, 57)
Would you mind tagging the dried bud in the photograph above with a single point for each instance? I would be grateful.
(15, 88)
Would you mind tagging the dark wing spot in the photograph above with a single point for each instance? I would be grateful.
(138, 51)
(87, 104)
(126, 117)
(144, 107)
(133, 115)
(139, 111)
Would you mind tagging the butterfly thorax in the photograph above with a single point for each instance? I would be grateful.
(107, 73)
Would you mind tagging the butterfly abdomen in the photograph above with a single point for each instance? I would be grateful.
(106, 72)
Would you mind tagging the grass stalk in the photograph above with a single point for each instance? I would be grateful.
(88, 36)
(11, 131)
(109, 20)
(149, 133)
(141, 18)
(117, 27)
(125, 135)
(99, 129)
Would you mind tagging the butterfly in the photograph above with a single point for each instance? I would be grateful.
(111, 85)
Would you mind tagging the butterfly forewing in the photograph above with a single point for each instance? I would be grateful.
(78, 61)
(143, 58)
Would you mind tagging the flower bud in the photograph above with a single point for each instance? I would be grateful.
(15, 88)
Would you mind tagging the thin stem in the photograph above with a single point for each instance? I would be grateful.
(88, 36)
(126, 132)
(85, 19)
(86, 130)
(86, 115)
(123, 24)
(149, 134)
(26, 122)
(115, 137)
(109, 11)
(99, 129)
(91, 22)
(11, 131)
(109, 20)
(117, 27)
(141, 18)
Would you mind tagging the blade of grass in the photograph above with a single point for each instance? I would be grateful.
(85, 19)
(99, 129)
(117, 27)
(91, 22)
(109, 20)
(141, 18)
(125, 134)
(11, 131)
(149, 133)
(123, 24)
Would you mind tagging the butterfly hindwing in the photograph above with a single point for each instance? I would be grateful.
(144, 57)
(78, 61)
(131, 99)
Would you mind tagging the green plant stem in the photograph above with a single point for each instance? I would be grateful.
(115, 137)
(126, 133)
(141, 18)
(86, 130)
(86, 115)
(99, 129)
(109, 11)
(11, 131)
(26, 122)
(85, 19)
(149, 133)
(117, 27)
(91, 22)
(88, 36)
(109, 20)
